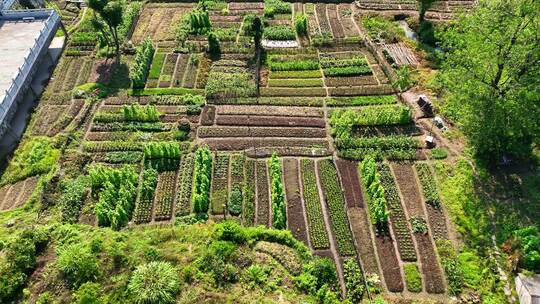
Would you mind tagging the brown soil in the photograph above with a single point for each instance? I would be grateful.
(263, 194)
(295, 212)
(389, 264)
(270, 121)
(208, 115)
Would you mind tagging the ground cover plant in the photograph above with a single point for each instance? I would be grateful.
(279, 213)
(317, 230)
(336, 205)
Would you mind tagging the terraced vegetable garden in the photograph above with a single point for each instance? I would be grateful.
(303, 138)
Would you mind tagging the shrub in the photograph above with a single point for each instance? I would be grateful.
(413, 278)
(272, 7)
(199, 22)
(235, 201)
(78, 264)
(279, 219)
(116, 194)
(202, 175)
(88, 293)
(154, 282)
(451, 266)
(279, 32)
(213, 44)
(317, 273)
(301, 25)
(141, 65)
(354, 281)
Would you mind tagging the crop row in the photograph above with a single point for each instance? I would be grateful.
(293, 92)
(429, 189)
(219, 195)
(143, 209)
(165, 195)
(374, 116)
(377, 201)
(361, 153)
(295, 74)
(279, 212)
(336, 207)
(205, 132)
(362, 100)
(350, 81)
(183, 200)
(131, 126)
(295, 83)
(292, 63)
(317, 230)
(270, 121)
(263, 199)
(276, 101)
(362, 91)
(270, 110)
(248, 208)
(235, 144)
(400, 224)
(394, 142)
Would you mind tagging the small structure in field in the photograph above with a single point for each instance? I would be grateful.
(528, 289)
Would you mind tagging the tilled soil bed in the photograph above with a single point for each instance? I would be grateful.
(295, 212)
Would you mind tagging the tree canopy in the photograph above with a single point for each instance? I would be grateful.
(491, 72)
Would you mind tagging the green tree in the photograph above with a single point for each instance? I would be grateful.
(492, 76)
(112, 14)
(257, 30)
(423, 6)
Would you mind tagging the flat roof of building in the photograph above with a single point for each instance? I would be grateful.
(16, 39)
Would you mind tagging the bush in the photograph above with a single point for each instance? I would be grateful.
(235, 201)
(413, 278)
(199, 22)
(213, 44)
(162, 150)
(154, 282)
(380, 27)
(141, 65)
(88, 293)
(318, 273)
(78, 264)
(301, 25)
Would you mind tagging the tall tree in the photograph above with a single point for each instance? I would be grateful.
(492, 75)
(111, 13)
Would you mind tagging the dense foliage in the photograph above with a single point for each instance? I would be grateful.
(141, 65)
(201, 180)
(301, 25)
(115, 190)
(279, 212)
(375, 191)
(136, 112)
(279, 32)
(413, 278)
(493, 88)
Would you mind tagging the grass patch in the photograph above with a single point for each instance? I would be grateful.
(157, 64)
